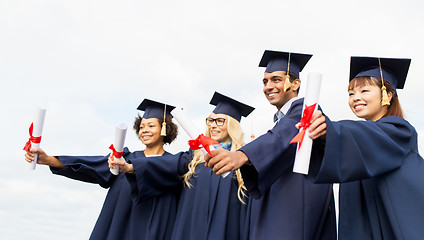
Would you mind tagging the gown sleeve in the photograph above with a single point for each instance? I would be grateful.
(356, 150)
(91, 169)
(155, 176)
(271, 154)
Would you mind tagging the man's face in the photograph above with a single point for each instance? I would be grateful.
(274, 88)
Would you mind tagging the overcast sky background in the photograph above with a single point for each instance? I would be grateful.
(90, 63)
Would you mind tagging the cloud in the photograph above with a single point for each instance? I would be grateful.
(90, 63)
(39, 205)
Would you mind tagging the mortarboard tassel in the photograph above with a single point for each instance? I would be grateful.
(287, 83)
(163, 130)
(384, 97)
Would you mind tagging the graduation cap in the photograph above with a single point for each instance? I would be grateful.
(229, 106)
(153, 109)
(393, 70)
(284, 61)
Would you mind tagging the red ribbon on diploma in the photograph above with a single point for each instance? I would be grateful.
(31, 139)
(115, 153)
(305, 122)
(202, 142)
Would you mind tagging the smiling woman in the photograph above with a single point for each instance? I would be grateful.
(125, 215)
(376, 161)
(365, 99)
(218, 127)
(212, 207)
(149, 130)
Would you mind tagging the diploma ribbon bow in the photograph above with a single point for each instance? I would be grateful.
(305, 122)
(31, 139)
(115, 153)
(202, 142)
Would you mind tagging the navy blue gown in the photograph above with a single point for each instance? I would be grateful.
(124, 216)
(285, 205)
(381, 176)
(157, 175)
(210, 209)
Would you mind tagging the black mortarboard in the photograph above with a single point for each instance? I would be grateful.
(153, 109)
(229, 106)
(279, 61)
(394, 70)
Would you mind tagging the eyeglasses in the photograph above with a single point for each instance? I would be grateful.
(218, 121)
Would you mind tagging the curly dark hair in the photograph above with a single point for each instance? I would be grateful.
(171, 128)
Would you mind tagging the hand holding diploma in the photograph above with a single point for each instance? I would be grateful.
(121, 164)
(318, 128)
(35, 132)
(192, 132)
(43, 158)
(118, 147)
(310, 105)
(224, 161)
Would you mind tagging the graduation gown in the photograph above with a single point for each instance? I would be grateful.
(210, 209)
(381, 175)
(148, 217)
(157, 175)
(285, 205)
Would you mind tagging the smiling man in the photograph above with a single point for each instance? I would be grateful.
(284, 205)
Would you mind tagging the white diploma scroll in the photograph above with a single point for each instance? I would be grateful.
(303, 154)
(120, 134)
(190, 129)
(37, 132)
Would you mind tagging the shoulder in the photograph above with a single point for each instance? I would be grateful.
(395, 120)
(181, 155)
(392, 122)
(392, 126)
(399, 124)
(135, 154)
(295, 109)
(126, 151)
(297, 103)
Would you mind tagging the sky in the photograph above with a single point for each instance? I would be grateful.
(90, 63)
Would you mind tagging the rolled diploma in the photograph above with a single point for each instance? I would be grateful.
(190, 129)
(37, 132)
(120, 133)
(303, 154)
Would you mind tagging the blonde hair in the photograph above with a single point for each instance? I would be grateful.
(236, 134)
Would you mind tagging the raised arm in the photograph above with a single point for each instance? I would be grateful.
(43, 158)
(357, 150)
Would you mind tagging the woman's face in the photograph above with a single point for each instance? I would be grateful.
(217, 126)
(150, 132)
(365, 102)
